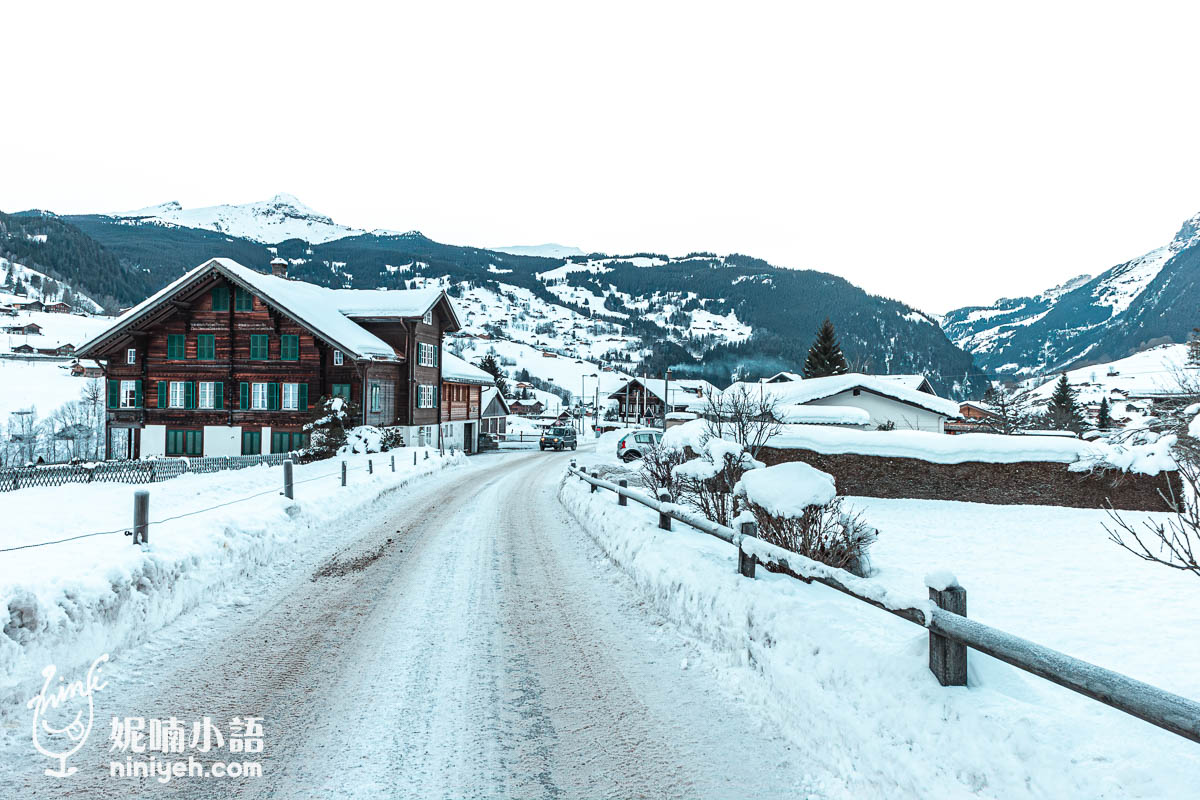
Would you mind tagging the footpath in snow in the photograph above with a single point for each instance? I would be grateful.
(61, 603)
(851, 683)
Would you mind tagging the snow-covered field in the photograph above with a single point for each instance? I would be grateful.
(97, 594)
(42, 385)
(851, 683)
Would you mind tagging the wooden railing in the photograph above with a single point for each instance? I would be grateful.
(951, 633)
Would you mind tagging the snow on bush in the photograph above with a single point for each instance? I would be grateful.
(787, 490)
(797, 508)
(67, 603)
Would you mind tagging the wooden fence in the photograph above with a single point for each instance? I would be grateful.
(143, 471)
(951, 633)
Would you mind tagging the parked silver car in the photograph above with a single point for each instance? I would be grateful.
(634, 444)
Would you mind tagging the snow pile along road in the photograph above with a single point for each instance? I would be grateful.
(851, 683)
(64, 603)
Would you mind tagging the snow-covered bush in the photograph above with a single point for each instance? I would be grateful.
(704, 482)
(797, 508)
(328, 432)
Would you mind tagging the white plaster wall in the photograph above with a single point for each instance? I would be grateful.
(154, 440)
(222, 440)
(884, 410)
(265, 440)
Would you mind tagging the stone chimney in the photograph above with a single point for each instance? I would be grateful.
(279, 267)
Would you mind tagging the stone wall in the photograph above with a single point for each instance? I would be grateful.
(1021, 483)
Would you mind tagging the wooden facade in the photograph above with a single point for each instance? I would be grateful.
(215, 354)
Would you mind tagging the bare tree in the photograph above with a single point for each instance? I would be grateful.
(1011, 412)
(744, 416)
(1174, 543)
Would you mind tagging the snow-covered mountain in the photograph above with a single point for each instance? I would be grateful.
(1087, 319)
(268, 221)
(548, 250)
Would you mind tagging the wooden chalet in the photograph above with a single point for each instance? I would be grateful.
(644, 398)
(462, 392)
(227, 360)
(495, 412)
(27, 329)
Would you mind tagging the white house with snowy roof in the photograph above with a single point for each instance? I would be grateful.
(905, 402)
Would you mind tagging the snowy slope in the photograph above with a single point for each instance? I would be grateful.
(282, 217)
(39, 286)
(57, 329)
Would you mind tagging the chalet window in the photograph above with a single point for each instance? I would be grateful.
(131, 356)
(251, 443)
(206, 346)
(178, 394)
(376, 394)
(185, 443)
(340, 390)
(289, 347)
(426, 396)
(130, 394)
(426, 354)
(258, 347)
(258, 396)
(211, 394)
(428, 318)
(291, 396)
(220, 298)
(337, 358)
(175, 346)
(243, 301)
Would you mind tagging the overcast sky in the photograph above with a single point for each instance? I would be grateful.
(944, 154)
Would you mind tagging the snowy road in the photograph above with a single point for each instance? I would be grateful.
(465, 641)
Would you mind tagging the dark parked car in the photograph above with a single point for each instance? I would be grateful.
(560, 437)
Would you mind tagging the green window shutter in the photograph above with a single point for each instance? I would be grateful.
(273, 396)
(114, 394)
(289, 347)
(218, 395)
(258, 347)
(162, 394)
(303, 404)
(220, 298)
(244, 396)
(189, 394)
(137, 394)
(243, 300)
(206, 347)
(175, 346)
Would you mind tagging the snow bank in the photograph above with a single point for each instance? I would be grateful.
(66, 603)
(992, 448)
(785, 490)
(690, 434)
(851, 682)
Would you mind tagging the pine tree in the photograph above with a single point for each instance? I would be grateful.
(1103, 417)
(825, 356)
(1062, 412)
(491, 366)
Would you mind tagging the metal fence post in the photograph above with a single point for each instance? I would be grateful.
(664, 521)
(747, 561)
(343, 473)
(393, 462)
(595, 476)
(948, 659)
(414, 458)
(622, 500)
(141, 517)
(370, 467)
(288, 488)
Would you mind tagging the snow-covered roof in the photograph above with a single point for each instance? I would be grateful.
(684, 391)
(918, 382)
(458, 371)
(823, 415)
(325, 311)
(810, 389)
(492, 393)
